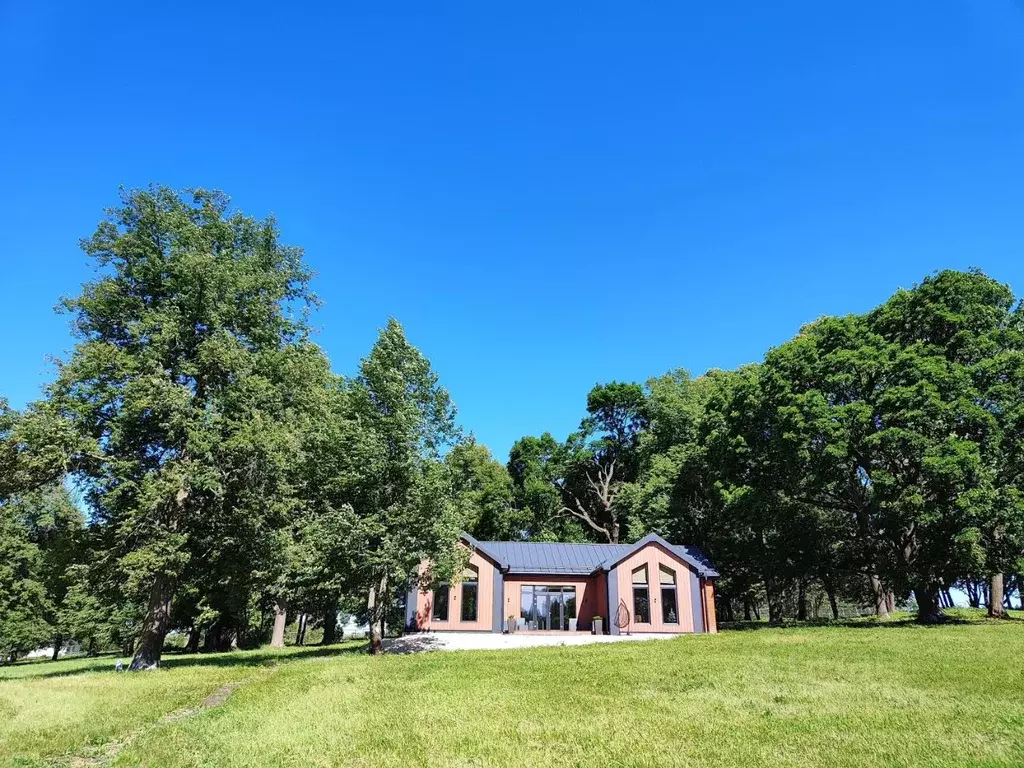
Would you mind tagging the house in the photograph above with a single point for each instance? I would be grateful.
(649, 586)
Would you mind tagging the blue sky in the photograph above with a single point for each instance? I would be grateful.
(547, 195)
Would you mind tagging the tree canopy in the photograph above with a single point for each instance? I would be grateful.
(196, 466)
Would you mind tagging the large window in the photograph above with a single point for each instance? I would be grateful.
(641, 596)
(547, 607)
(669, 603)
(470, 589)
(439, 611)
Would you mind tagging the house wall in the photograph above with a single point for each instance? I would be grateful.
(688, 591)
(710, 620)
(488, 574)
(591, 595)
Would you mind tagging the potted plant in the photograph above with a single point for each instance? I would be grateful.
(511, 624)
(597, 627)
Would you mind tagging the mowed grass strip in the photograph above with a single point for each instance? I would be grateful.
(837, 696)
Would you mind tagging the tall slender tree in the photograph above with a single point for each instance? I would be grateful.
(405, 511)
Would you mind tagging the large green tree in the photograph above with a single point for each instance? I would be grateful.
(188, 344)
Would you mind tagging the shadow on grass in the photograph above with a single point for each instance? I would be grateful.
(180, 660)
(906, 621)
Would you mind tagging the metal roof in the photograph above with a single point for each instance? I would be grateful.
(557, 558)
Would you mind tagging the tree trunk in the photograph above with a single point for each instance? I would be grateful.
(928, 611)
(92, 647)
(996, 610)
(801, 601)
(375, 602)
(615, 532)
(192, 646)
(774, 603)
(881, 599)
(972, 594)
(280, 621)
(746, 609)
(300, 632)
(58, 643)
(832, 603)
(331, 624)
(154, 627)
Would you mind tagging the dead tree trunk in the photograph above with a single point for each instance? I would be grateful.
(280, 622)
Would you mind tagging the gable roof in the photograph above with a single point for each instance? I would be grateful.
(689, 555)
(566, 559)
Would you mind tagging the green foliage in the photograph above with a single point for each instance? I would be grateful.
(483, 492)
(225, 470)
(404, 509)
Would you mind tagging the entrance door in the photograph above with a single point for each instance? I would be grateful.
(556, 611)
(547, 607)
(543, 600)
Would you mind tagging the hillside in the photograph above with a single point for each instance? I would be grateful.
(855, 695)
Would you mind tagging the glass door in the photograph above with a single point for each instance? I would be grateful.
(556, 610)
(543, 605)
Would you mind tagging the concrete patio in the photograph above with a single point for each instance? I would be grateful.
(487, 641)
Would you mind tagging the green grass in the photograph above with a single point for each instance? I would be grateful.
(865, 695)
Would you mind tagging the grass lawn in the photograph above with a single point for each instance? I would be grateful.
(866, 695)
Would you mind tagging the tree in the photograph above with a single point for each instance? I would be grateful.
(601, 457)
(483, 491)
(23, 600)
(55, 526)
(405, 510)
(178, 387)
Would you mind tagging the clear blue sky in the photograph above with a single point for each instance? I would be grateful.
(547, 195)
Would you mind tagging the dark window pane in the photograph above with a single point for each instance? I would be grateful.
(527, 612)
(641, 605)
(469, 601)
(669, 612)
(440, 612)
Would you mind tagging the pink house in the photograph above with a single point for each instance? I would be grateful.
(649, 586)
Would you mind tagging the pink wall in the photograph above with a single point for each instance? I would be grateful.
(707, 588)
(484, 609)
(653, 556)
